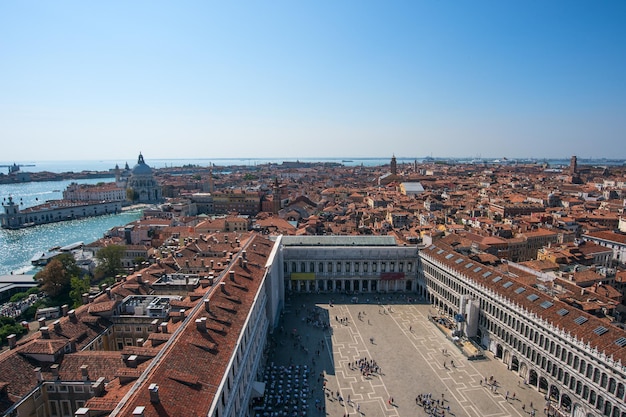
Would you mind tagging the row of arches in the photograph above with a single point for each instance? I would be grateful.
(558, 399)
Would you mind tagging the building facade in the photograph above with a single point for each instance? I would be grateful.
(576, 359)
(142, 185)
(350, 264)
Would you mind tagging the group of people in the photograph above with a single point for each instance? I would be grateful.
(432, 406)
(365, 366)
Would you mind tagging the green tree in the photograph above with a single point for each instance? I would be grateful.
(54, 278)
(79, 287)
(9, 326)
(110, 261)
(18, 297)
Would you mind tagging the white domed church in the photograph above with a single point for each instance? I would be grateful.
(141, 186)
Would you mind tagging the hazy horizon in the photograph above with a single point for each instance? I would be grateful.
(350, 79)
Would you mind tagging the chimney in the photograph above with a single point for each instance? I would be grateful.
(241, 261)
(163, 327)
(41, 322)
(57, 326)
(245, 264)
(138, 411)
(38, 374)
(132, 361)
(84, 372)
(108, 290)
(154, 393)
(85, 298)
(139, 279)
(98, 387)
(154, 325)
(55, 370)
(202, 263)
(12, 340)
(72, 315)
(231, 274)
(244, 254)
(91, 298)
(82, 412)
(223, 287)
(45, 332)
(207, 306)
(212, 263)
(64, 309)
(201, 324)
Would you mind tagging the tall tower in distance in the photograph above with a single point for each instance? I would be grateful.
(276, 197)
(394, 166)
(573, 165)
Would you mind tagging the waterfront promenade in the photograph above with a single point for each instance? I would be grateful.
(414, 356)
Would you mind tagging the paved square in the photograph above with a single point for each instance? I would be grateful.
(409, 351)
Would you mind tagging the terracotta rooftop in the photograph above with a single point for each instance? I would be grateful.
(193, 366)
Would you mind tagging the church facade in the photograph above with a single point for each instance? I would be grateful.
(141, 186)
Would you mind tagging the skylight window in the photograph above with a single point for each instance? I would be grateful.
(520, 290)
(469, 265)
(600, 330)
(496, 279)
(507, 284)
(478, 268)
(580, 320)
(532, 297)
(458, 261)
(450, 255)
(433, 247)
(546, 304)
(486, 274)
(562, 312)
(621, 342)
(440, 251)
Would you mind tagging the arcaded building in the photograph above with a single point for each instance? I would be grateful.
(576, 359)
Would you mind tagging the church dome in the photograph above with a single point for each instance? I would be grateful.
(141, 168)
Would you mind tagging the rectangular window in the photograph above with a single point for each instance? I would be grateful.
(66, 409)
(54, 408)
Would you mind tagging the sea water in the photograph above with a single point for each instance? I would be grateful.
(18, 247)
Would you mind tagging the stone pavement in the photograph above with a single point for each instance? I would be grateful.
(414, 356)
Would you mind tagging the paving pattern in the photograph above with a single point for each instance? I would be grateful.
(414, 356)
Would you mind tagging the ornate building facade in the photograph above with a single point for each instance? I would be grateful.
(142, 185)
(577, 360)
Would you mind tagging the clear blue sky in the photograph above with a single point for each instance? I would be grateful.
(211, 79)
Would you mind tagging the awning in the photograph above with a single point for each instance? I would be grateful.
(258, 389)
(388, 276)
(303, 276)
